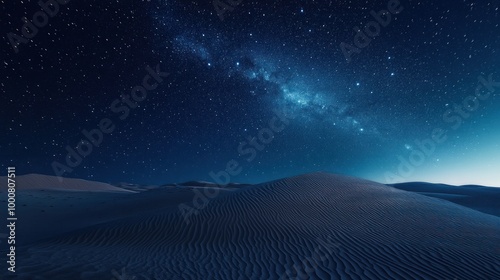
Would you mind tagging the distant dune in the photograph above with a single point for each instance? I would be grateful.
(45, 182)
(314, 226)
(189, 184)
(484, 199)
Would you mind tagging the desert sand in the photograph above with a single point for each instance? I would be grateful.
(313, 226)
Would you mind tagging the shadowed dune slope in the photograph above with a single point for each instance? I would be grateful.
(316, 226)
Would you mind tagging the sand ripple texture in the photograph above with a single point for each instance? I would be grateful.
(315, 226)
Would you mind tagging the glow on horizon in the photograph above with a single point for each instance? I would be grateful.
(455, 178)
(479, 166)
(477, 171)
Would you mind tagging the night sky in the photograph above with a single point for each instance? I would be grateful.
(256, 67)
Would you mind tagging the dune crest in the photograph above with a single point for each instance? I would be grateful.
(46, 182)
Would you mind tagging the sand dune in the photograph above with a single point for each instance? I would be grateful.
(484, 199)
(45, 182)
(189, 184)
(315, 226)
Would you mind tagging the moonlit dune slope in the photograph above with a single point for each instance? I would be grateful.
(346, 228)
(484, 199)
(39, 182)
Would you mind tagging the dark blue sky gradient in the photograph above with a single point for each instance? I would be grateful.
(229, 78)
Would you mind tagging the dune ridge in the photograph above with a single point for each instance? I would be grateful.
(267, 231)
(45, 182)
(483, 199)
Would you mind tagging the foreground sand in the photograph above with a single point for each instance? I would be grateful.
(315, 226)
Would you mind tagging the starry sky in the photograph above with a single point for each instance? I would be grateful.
(236, 74)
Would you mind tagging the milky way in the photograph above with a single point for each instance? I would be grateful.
(364, 117)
